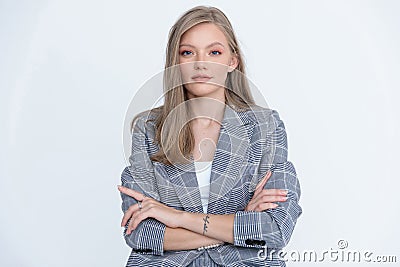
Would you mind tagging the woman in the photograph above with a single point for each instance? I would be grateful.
(209, 183)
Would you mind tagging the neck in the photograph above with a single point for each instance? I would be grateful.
(205, 110)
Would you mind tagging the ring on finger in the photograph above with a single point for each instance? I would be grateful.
(140, 204)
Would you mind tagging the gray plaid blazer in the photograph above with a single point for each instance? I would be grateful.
(250, 143)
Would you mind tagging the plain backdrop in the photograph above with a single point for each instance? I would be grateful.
(69, 70)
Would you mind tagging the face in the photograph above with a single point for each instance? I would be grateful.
(205, 60)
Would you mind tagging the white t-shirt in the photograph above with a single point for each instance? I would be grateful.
(203, 173)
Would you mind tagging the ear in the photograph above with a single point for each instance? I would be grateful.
(233, 64)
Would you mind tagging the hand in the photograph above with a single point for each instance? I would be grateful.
(145, 208)
(263, 198)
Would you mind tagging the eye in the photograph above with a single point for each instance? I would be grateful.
(185, 53)
(216, 52)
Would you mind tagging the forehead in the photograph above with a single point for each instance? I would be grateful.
(203, 34)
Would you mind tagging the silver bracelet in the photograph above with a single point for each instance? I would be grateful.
(210, 246)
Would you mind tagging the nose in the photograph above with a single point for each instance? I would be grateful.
(198, 65)
(199, 62)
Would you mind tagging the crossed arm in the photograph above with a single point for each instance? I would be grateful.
(160, 227)
(192, 230)
(183, 239)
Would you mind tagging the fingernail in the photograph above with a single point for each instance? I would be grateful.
(275, 205)
(284, 192)
(284, 198)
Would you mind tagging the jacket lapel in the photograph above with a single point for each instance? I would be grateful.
(184, 180)
(233, 142)
(228, 160)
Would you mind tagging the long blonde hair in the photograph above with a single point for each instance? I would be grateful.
(178, 143)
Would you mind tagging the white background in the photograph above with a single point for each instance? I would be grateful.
(69, 69)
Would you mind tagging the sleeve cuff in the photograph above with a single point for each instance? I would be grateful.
(148, 237)
(247, 229)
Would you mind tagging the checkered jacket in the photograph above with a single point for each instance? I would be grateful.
(250, 143)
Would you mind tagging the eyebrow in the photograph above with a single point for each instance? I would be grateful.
(210, 45)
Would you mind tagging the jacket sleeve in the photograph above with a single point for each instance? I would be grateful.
(148, 237)
(272, 228)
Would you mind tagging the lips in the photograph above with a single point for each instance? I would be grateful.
(201, 78)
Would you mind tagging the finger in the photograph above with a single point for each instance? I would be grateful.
(263, 179)
(265, 196)
(130, 192)
(125, 218)
(250, 206)
(274, 192)
(270, 192)
(262, 183)
(147, 202)
(259, 189)
(129, 228)
(269, 199)
(266, 206)
(140, 216)
(132, 222)
(128, 214)
(261, 199)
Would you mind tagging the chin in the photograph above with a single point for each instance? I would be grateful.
(203, 89)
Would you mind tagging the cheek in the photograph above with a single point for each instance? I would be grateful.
(224, 59)
(186, 70)
(219, 72)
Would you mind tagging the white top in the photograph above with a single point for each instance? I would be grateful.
(203, 173)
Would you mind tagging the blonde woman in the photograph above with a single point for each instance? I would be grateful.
(209, 183)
